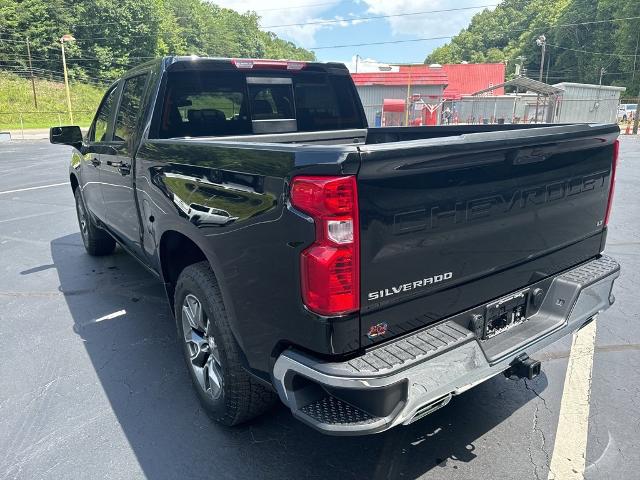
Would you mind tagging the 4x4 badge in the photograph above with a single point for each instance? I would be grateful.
(377, 330)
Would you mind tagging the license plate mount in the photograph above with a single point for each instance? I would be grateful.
(505, 313)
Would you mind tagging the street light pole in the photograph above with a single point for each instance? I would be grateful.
(68, 38)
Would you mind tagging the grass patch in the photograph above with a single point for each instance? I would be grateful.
(16, 103)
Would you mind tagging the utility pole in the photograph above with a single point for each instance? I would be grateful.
(33, 82)
(520, 71)
(548, 67)
(357, 58)
(635, 59)
(406, 117)
(68, 38)
(541, 41)
(602, 72)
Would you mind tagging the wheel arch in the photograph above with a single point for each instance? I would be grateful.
(174, 241)
(73, 179)
(176, 252)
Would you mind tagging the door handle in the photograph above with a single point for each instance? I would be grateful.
(95, 162)
(123, 168)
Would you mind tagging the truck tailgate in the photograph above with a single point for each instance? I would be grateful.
(451, 223)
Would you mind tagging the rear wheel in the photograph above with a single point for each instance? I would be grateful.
(96, 241)
(227, 392)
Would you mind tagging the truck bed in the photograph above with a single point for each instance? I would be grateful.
(370, 136)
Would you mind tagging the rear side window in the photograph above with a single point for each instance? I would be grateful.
(101, 124)
(198, 104)
(129, 109)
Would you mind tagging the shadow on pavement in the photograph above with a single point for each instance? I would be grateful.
(120, 313)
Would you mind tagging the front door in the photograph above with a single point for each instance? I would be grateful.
(117, 167)
(98, 141)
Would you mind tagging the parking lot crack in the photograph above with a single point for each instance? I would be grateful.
(543, 447)
(535, 392)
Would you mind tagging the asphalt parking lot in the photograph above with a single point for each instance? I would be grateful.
(93, 385)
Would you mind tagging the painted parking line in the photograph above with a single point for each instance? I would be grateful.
(33, 188)
(570, 449)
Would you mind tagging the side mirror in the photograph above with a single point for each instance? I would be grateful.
(71, 136)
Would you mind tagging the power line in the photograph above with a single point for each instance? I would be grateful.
(594, 22)
(80, 39)
(446, 37)
(593, 53)
(377, 17)
(381, 43)
(56, 73)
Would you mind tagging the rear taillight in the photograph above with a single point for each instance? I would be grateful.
(330, 275)
(614, 167)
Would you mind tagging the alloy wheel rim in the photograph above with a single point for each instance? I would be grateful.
(204, 354)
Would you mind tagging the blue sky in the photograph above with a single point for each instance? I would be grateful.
(347, 27)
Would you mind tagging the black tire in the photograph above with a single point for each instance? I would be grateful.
(238, 396)
(96, 241)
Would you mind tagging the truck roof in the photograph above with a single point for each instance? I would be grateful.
(195, 62)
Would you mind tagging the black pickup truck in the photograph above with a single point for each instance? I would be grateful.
(363, 275)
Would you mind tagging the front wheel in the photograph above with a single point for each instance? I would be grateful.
(228, 393)
(96, 241)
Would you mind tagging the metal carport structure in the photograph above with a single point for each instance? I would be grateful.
(549, 94)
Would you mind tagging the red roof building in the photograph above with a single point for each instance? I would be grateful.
(466, 78)
(388, 91)
(422, 76)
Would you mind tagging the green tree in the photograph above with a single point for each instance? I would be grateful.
(111, 37)
(581, 39)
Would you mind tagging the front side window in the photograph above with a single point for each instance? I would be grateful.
(101, 123)
(130, 107)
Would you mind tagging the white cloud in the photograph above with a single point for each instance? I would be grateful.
(287, 12)
(428, 25)
(368, 65)
(284, 12)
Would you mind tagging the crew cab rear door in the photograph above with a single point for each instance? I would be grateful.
(451, 223)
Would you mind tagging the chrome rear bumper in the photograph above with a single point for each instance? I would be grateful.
(399, 382)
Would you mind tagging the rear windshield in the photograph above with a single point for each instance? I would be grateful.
(213, 103)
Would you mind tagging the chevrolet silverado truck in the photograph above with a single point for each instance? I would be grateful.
(364, 276)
